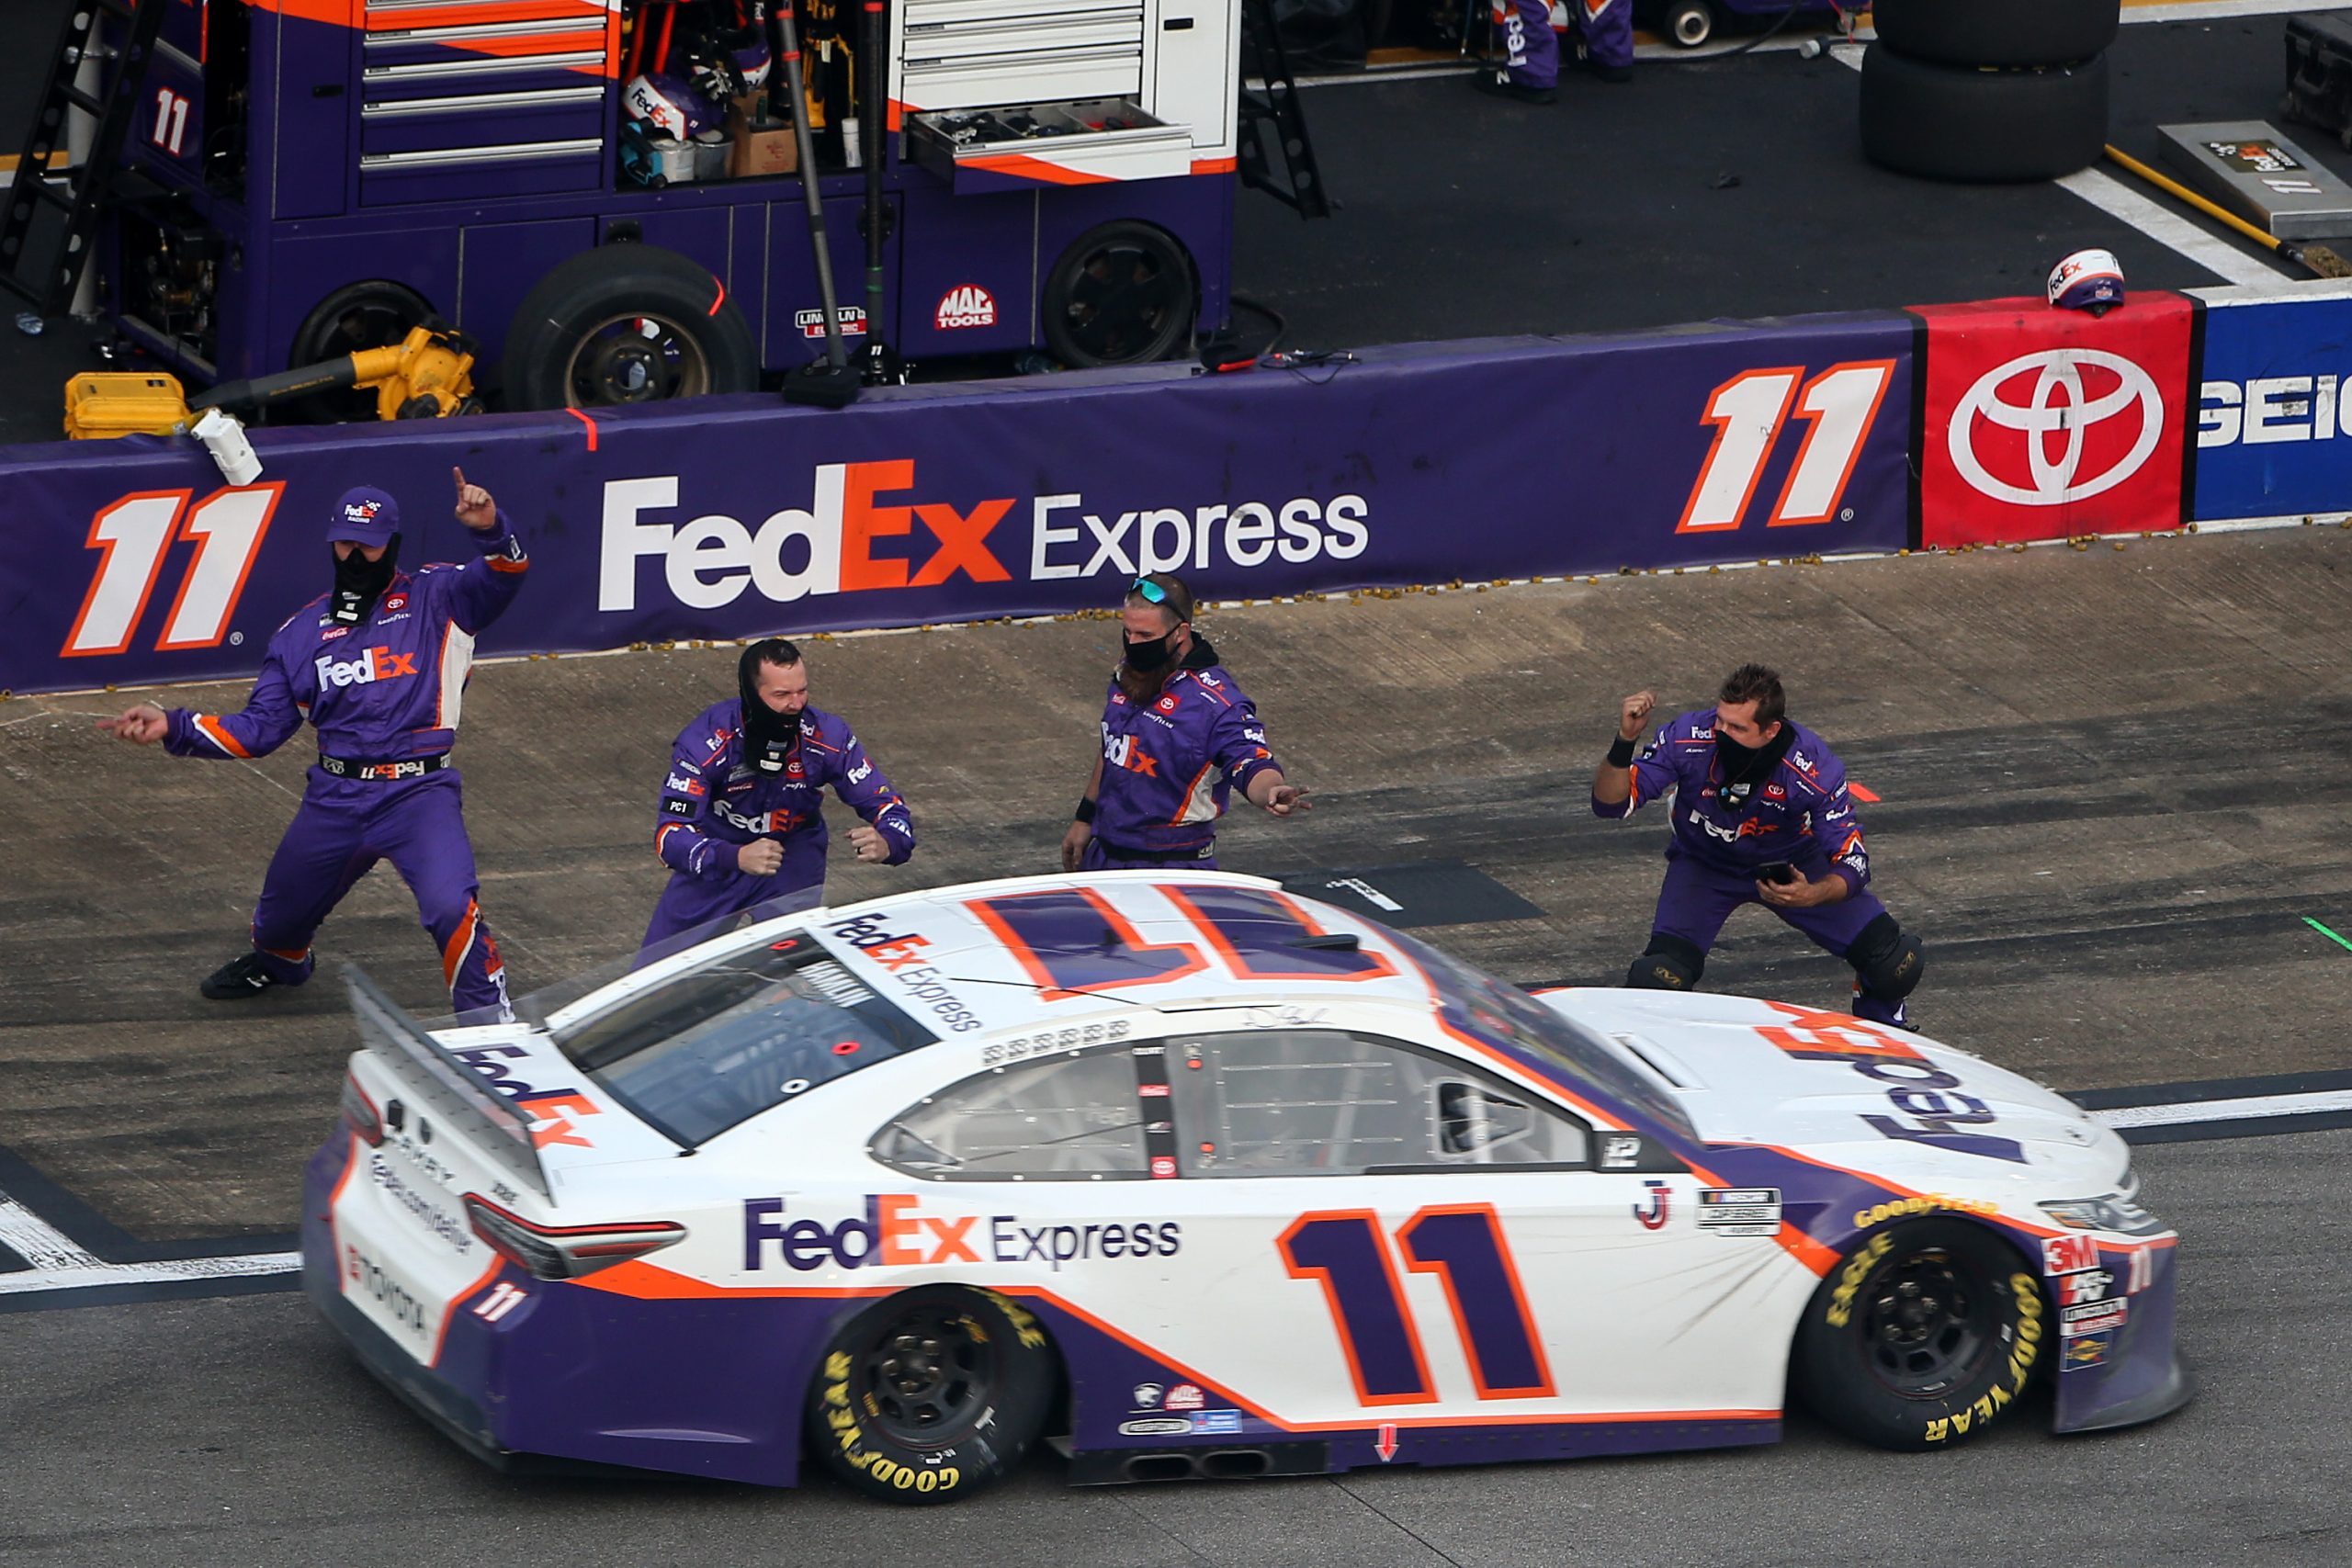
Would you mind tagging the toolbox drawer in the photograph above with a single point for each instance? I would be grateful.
(1082, 73)
(483, 172)
(461, 119)
(982, 150)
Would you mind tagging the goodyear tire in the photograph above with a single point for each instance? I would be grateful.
(1123, 294)
(932, 1394)
(625, 324)
(1924, 1335)
(1944, 122)
(1998, 32)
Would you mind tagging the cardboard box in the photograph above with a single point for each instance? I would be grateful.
(760, 147)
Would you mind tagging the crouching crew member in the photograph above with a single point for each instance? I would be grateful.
(380, 668)
(1178, 734)
(1761, 815)
(740, 823)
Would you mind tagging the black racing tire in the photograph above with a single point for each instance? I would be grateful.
(1924, 1335)
(1943, 122)
(624, 324)
(931, 1394)
(1688, 24)
(1124, 293)
(1998, 32)
(377, 313)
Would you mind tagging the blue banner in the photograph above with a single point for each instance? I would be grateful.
(2274, 422)
(128, 562)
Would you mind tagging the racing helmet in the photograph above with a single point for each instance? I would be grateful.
(2087, 280)
(670, 105)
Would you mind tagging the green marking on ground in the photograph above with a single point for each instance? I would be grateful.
(2323, 931)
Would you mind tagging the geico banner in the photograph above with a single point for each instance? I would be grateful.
(2272, 421)
(127, 561)
(2044, 424)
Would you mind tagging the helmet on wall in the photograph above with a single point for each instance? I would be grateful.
(2087, 280)
(670, 105)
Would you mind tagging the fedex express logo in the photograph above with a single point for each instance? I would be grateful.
(867, 527)
(1929, 1108)
(365, 668)
(893, 1232)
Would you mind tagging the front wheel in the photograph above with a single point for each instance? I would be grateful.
(931, 1394)
(1922, 1337)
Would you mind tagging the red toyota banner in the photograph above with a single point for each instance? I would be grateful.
(2044, 424)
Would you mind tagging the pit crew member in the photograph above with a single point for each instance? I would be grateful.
(1178, 734)
(378, 666)
(1761, 814)
(740, 823)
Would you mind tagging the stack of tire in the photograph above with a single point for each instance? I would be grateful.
(1987, 90)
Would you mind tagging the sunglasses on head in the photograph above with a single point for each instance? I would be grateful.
(1152, 593)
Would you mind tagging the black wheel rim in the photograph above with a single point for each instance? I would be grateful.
(1926, 1324)
(636, 359)
(1125, 301)
(927, 1377)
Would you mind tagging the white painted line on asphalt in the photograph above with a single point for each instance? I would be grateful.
(2198, 1112)
(57, 1263)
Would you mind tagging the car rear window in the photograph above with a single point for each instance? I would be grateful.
(716, 1044)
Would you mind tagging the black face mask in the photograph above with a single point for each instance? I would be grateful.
(1143, 658)
(769, 738)
(1744, 767)
(358, 581)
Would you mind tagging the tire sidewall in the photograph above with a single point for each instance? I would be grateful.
(1982, 126)
(614, 280)
(1998, 32)
(842, 1427)
(1058, 281)
(1831, 1373)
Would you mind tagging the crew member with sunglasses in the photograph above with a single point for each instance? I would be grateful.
(1178, 735)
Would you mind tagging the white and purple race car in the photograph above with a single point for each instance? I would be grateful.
(1190, 1176)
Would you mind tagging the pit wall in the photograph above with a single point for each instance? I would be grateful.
(128, 562)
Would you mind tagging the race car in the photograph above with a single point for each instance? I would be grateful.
(1194, 1176)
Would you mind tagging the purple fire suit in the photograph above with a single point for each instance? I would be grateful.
(384, 696)
(1604, 30)
(1169, 766)
(1800, 813)
(714, 802)
(1531, 50)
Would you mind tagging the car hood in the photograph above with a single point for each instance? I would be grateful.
(1872, 1099)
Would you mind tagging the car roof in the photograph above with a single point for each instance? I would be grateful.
(1030, 952)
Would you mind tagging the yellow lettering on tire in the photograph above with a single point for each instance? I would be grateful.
(1938, 1429)
(927, 1480)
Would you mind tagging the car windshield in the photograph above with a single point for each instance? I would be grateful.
(715, 1046)
(1477, 1003)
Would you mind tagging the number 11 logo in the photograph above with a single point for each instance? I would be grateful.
(1840, 407)
(136, 533)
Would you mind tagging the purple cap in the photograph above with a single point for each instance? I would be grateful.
(365, 516)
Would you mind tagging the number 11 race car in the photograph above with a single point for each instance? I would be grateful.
(1194, 1177)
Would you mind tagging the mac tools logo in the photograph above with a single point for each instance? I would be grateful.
(2036, 417)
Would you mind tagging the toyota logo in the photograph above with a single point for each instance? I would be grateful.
(2057, 412)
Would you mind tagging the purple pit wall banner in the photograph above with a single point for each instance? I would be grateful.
(128, 562)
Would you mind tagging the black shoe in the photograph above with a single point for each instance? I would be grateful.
(242, 976)
(1499, 85)
(1615, 75)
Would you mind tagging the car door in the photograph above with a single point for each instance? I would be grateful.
(1396, 1237)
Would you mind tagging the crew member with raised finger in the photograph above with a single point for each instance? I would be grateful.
(1762, 814)
(378, 666)
(1178, 735)
(738, 823)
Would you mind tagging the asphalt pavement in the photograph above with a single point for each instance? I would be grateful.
(187, 1434)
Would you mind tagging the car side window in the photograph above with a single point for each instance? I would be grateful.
(1075, 1116)
(1326, 1103)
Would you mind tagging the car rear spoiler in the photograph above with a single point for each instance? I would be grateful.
(457, 1094)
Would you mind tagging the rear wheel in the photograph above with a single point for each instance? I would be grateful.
(624, 324)
(1948, 122)
(931, 1394)
(1924, 1335)
(1122, 294)
(1689, 23)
